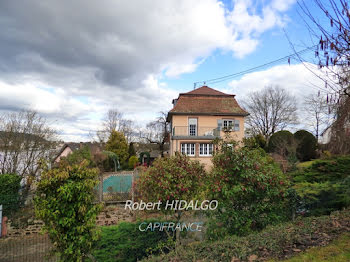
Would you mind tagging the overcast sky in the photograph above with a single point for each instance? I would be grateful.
(73, 60)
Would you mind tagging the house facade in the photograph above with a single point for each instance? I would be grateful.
(200, 116)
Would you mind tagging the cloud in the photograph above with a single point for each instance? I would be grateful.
(296, 78)
(42, 100)
(247, 23)
(282, 5)
(117, 40)
(71, 60)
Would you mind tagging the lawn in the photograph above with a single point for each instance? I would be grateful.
(337, 251)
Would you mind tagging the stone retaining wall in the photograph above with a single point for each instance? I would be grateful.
(111, 215)
(34, 227)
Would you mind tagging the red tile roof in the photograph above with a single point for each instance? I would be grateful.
(205, 100)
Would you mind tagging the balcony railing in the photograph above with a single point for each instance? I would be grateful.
(205, 132)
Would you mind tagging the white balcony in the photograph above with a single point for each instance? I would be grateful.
(195, 132)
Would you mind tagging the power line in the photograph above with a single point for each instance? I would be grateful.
(227, 77)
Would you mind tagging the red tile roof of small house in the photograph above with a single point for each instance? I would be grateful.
(205, 100)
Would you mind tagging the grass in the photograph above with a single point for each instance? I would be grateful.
(337, 251)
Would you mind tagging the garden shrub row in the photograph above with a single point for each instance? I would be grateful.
(324, 186)
(251, 190)
(301, 145)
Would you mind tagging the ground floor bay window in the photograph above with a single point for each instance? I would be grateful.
(205, 149)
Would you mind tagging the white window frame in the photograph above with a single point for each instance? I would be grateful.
(226, 123)
(192, 126)
(234, 126)
(192, 130)
(188, 149)
(205, 149)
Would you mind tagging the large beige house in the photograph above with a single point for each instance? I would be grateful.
(200, 116)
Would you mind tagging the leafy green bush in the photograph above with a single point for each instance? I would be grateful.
(125, 242)
(306, 145)
(133, 160)
(257, 141)
(78, 156)
(172, 178)
(9, 192)
(251, 191)
(64, 201)
(282, 142)
(117, 144)
(324, 186)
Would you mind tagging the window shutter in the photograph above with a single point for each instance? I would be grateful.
(220, 122)
(236, 125)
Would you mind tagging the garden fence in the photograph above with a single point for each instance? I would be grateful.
(31, 248)
(116, 187)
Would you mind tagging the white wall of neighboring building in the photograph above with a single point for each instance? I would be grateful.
(325, 137)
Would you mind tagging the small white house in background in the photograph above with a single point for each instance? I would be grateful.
(325, 136)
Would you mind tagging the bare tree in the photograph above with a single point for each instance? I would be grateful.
(340, 134)
(129, 129)
(271, 110)
(331, 30)
(112, 120)
(157, 132)
(115, 121)
(25, 139)
(319, 112)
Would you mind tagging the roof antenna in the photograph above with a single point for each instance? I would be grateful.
(194, 86)
(204, 83)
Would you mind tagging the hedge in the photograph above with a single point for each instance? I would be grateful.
(281, 142)
(324, 186)
(9, 192)
(306, 145)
